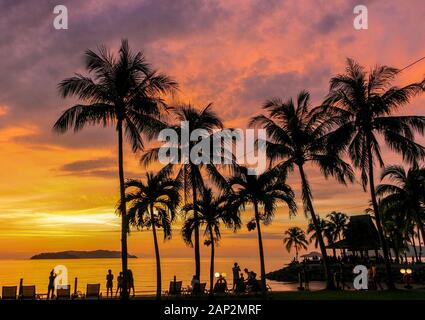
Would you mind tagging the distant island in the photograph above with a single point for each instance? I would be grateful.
(96, 254)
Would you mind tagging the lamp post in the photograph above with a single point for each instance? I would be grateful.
(407, 275)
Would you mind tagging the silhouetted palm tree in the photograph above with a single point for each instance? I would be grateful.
(324, 231)
(265, 190)
(211, 213)
(188, 172)
(296, 138)
(295, 238)
(360, 105)
(405, 195)
(123, 91)
(152, 204)
(337, 225)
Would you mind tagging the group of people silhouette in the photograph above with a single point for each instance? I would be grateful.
(120, 282)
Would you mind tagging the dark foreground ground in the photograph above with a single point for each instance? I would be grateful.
(279, 305)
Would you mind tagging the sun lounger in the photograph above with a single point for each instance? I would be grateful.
(63, 293)
(93, 291)
(175, 288)
(28, 293)
(199, 289)
(9, 292)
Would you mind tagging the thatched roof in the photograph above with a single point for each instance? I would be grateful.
(361, 234)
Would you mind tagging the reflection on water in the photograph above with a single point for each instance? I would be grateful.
(144, 270)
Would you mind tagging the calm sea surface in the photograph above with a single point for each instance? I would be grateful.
(36, 272)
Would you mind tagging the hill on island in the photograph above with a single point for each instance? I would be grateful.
(96, 254)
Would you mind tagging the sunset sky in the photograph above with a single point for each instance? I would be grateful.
(58, 192)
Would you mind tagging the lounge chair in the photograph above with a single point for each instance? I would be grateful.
(93, 291)
(199, 289)
(28, 293)
(9, 292)
(63, 293)
(175, 288)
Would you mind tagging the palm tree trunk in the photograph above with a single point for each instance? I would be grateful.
(196, 231)
(123, 210)
(382, 239)
(329, 279)
(420, 246)
(260, 246)
(212, 263)
(414, 247)
(157, 256)
(396, 250)
(420, 228)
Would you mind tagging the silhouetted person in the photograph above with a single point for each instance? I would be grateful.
(109, 283)
(240, 285)
(130, 282)
(251, 282)
(51, 287)
(195, 285)
(221, 285)
(119, 284)
(236, 269)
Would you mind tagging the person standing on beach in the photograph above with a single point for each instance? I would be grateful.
(130, 280)
(109, 283)
(51, 286)
(119, 284)
(236, 269)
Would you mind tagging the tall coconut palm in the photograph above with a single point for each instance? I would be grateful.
(295, 139)
(189, 172)
(360, 106)
(152, 204)
(211, 213)
(264, 190)
(337, 225)
(295, 238)
(123, 91)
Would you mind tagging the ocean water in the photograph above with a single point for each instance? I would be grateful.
(36, 272)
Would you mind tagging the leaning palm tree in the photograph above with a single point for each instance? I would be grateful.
(153, 204)
(211, 213)
(123, 91)
(264, 190)
(405, 194)
(337, 225)
(324, 232)
(360, 106)
(295, 238)
(189, 172)
(296, 138)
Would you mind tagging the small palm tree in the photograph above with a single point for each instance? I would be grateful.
(324, 231)
(122, 91)
(153, 204)
(189, 173)
(211, 213)
(295, 139)
(295, 238)
(360, 106)
(404, 195)
(337, 225)
(265, 190)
